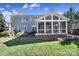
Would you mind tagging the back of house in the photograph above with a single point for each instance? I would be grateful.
(49, 24)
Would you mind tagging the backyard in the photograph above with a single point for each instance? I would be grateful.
(22, 46)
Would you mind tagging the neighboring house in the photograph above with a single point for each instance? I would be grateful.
(48, 24)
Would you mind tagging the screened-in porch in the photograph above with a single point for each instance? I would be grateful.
(52, 24)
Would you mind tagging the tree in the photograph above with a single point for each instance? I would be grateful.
(77, 15)
(1, 23)
(71, 14)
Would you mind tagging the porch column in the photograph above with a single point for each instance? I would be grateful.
(52, 24)
(37, 27)
(44, 27)
(59, 27)
(66, 27)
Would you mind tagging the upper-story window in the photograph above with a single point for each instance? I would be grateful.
(27, 19)
(23, 20)
(55, 17)
(48, 17)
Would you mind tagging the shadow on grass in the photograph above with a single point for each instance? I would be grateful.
(68, 41)
(24, 40)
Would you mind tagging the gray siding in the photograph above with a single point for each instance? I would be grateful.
(23, 24)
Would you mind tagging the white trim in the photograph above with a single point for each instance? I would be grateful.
(59, 25)
(44, 27)
(37, 27)
(56, 15)
(66, 27)
(52, 23)
(50, 20)
(49, 34)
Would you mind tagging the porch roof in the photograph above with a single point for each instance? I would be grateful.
(54, 13)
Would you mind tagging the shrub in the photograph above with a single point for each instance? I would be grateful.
(4, 33)
(15, 32)
(7, 33)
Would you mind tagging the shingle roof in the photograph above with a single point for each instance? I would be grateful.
(38, 16)
(26, 16)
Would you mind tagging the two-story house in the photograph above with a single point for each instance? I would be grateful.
(49, 24)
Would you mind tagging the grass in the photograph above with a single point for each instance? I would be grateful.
(32, 47)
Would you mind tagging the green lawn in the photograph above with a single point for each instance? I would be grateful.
(21, 47)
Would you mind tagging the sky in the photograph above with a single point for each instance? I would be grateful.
(34, 8)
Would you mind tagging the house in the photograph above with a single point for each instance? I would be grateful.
(49, 24)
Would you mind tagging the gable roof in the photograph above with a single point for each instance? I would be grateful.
(26, 16)
(39, 16)
(61, 16)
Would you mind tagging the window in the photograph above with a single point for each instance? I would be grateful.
(55, 18)
(27, 19)
(23, 20)
(48, 17)
(25, 28)
(48, 27)
(55, 27)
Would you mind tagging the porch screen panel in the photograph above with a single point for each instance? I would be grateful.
(55, 27)
(40, 27)
(48, 27)
(55, 17)
(48, 17)
(63, 27)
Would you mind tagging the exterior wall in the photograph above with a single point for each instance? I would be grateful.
(20, 23)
